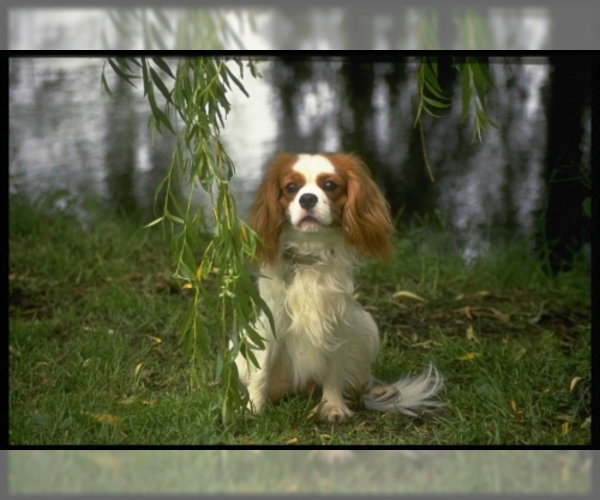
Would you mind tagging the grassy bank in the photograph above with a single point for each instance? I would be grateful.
(95, 358)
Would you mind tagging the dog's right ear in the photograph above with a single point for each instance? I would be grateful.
(266, 215)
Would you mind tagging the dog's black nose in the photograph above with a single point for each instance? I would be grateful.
(308, 201)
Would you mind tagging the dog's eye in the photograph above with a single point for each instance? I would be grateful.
(291, 188)
(330, 186)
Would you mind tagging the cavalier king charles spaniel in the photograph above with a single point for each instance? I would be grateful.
(315, 215)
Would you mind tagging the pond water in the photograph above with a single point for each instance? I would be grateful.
(67, 134)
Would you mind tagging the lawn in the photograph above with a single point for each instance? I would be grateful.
(95, 357)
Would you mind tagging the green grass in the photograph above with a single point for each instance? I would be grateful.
(284, 471)
(95, 355)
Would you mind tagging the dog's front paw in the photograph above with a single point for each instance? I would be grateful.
(256, 404)
(334, 412)
(256, 407)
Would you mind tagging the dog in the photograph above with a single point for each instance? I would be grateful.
(316, 215)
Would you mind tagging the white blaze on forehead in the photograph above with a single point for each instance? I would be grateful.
(311, 166)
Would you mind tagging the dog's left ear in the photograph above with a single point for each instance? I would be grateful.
(366, 216)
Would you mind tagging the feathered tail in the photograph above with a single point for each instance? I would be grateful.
(406, 394)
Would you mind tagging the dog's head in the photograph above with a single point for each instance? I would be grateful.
(319, 194)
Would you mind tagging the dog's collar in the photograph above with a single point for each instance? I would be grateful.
(297, 260)
(301, 259)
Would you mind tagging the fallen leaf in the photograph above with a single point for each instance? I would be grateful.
(137, 368)
(500, 315)
(520, 354)
(470, 333)
(460, 296)
(513, 407)
(185, 286)
(410, 295)
(292, 441)
(468, 312)
(159, 286)
(312, 412)
(427, 343)
(126, 401)
(469, 356)
(104, 418)
(535, 319)
(156, 339)
(574, 383)
(568, 418)
(565, 428)
(147, 373)
(484, 293)
(133, 277)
